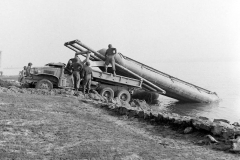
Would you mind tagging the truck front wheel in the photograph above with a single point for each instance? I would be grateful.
(107, 92)
(44, 84)
(123, 95)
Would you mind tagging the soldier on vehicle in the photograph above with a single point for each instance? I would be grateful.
(28, 69)
(87, 77)
(109, 55)
(24, 71)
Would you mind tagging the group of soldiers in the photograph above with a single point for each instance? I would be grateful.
(80, 71)
(83, 71)
(26, 69)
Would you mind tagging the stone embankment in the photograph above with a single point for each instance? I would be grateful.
(226, 133)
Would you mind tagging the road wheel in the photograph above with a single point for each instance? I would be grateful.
(123, 95)
(44, 84)
(107, 92)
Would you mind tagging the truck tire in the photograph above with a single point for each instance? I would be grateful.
(44, 84)
(123, 95)
(107, 92)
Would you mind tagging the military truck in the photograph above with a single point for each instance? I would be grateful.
(52, 76)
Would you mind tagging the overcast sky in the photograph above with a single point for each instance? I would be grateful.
(149, 31)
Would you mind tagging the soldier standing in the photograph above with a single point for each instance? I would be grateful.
(109, 55)
(69, 68)
(87, 77)
(77, 67)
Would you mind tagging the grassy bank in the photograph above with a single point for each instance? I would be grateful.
(56, 127)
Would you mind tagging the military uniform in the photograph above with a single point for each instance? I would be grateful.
(68, 69)
(87, 78)
(77, 67)
(28, 71)
(110, 54)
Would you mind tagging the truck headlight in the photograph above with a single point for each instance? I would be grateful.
(35, 71)
(32, 70)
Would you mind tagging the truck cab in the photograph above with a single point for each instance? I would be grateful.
(47, 77)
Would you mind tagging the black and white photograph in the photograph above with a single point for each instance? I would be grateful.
(120, 79)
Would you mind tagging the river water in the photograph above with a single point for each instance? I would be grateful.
(220, 77)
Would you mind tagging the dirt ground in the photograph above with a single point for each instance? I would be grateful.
(54, 127)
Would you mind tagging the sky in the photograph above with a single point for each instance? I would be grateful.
(148, 31)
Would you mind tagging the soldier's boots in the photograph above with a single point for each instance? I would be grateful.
(84, 91)
(106, 69)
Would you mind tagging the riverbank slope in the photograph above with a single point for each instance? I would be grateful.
(54, 127)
